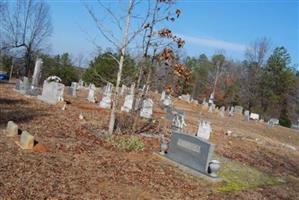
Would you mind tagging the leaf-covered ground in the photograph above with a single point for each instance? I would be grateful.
(79, 164)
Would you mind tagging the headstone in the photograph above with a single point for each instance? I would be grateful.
(52, 92)
(37, 72)
(204, 130)
(19, 84)
(178, 121)
(80, 84)
(204, 101)
(190, 151)
(222, 111)
(11, 129)
(210, 108)
(123, 89)
(108, 89)
(106, 100)
(91, 93)
(26, 140)
(254, 116)
(272, 122)
(166, 102)
(128, 104)
(238, 110)
(186, 97)
(24, 87)
(147, 108)
(132, 88)
(246, 115)
(73, 89)
(162, 96)
(211, 99)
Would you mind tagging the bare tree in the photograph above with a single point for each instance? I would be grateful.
(258, 51)
(25, 25)
(120, 42)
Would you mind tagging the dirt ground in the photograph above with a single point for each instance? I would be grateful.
(77, 164)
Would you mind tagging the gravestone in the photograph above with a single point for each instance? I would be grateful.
(222, 111)
(238, 110)
(147, 108)
(19, 84)
(52, 92)
(26, 140)
(128, 104)
(166, 102)
(204, 130)
(254, 116)
(132, 88)
(11, 129)
(210, 108)
(80, 84)
(123, 89)
(190, 151)
(106, 100)
(162, 96)
(246, 115)
(37, 72)
(211, 99)
(186, 97)
(178, 121)
(73, 89)
(272, 122)
(91, 93)
(24, 86)
(34, 90)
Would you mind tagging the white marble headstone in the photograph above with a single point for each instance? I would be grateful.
(147, 108)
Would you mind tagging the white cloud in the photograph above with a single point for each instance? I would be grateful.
(219, 44)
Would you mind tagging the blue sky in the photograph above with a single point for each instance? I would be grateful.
(207, 26)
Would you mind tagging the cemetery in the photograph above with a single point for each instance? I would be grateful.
(138, 104)
(75, 153)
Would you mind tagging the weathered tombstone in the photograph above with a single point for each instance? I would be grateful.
(272, 122)
(11, 129)
(19, 84)
(147, 108)
(246, 115)
(37, 72)
(24, 86)
(238, 110)
(128, 104)
(52, 92)
(132, 88)
(26, 140)
(73, 89)
(204, 101)
(254, 116)
(91, 93)
(211, 99)
(190, 151)
(166, 102)
(204, 130)
(186, 97)
(106, 100)
(123, 89)
(80, 84)
(162, 96)
(222, 111)
(178, 121)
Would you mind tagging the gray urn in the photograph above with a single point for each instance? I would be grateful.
(163, 148)
(214, 167)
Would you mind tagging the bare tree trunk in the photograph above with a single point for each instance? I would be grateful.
(11, 70)
(120, 68)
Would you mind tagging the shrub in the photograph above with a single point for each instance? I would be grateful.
(130, 143)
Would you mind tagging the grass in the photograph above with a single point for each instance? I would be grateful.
(126, 142)
(239, 177)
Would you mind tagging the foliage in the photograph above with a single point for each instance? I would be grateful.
(130, 143)
(61, 66)
(5, 62)
(104, 68)
(240, 177)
